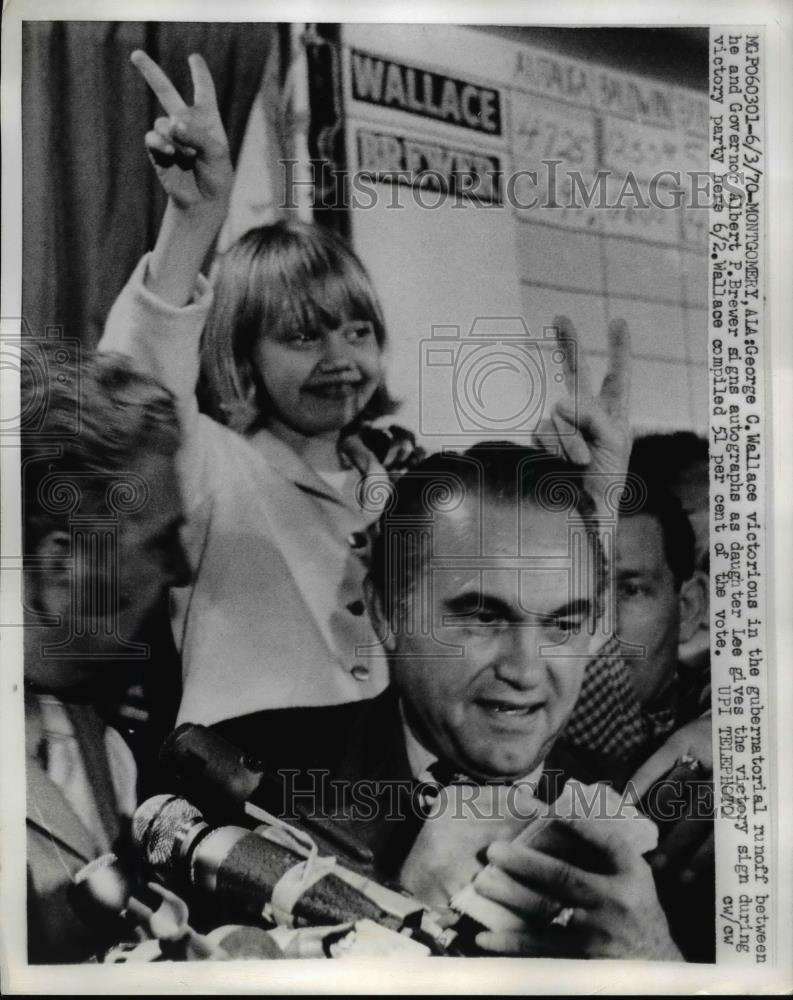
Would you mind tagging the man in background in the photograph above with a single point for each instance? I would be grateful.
(661, 603)
(679, 461)
(637, 691)
(102, 515)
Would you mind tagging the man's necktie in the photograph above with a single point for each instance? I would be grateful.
(438, 775)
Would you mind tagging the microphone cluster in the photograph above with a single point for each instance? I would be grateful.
(268, 875)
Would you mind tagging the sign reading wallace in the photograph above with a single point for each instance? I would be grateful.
(406, 88)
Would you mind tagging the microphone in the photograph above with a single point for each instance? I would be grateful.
(221, 780)
(209, 770)
(249, 877)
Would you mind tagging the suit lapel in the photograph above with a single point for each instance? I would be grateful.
(89, 731)
(376, 746)
(49, 811)
(376, 754)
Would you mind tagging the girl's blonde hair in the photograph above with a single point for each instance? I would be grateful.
(279, 278)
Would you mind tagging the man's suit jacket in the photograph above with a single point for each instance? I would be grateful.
(59, 845)
(361, 747)
(349, 764)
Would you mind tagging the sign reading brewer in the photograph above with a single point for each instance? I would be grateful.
(407, 88)
(419, 163)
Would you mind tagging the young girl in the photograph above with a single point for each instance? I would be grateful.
(293, 340)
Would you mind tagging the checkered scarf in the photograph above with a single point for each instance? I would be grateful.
(607, 717)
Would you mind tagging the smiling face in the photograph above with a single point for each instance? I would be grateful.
(318, 381)
(485, 689)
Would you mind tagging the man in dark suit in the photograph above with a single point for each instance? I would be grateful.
(487, 584)
(102, 514)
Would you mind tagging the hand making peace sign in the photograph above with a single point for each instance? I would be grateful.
(189, 148)
(601, 442)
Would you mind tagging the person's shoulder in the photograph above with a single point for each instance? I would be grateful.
(223, 438)
(286, 719)
(295, 737)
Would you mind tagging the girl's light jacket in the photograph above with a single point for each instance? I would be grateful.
(276, 615)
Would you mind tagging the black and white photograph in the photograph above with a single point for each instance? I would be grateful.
(392, 509)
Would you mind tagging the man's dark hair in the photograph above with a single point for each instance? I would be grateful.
(500, 471)
(95, 419)
(657, 501)
(666, 456)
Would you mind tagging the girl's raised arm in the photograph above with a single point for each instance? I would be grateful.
(189, 151)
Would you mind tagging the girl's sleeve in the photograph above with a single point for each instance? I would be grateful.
(162, 339)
